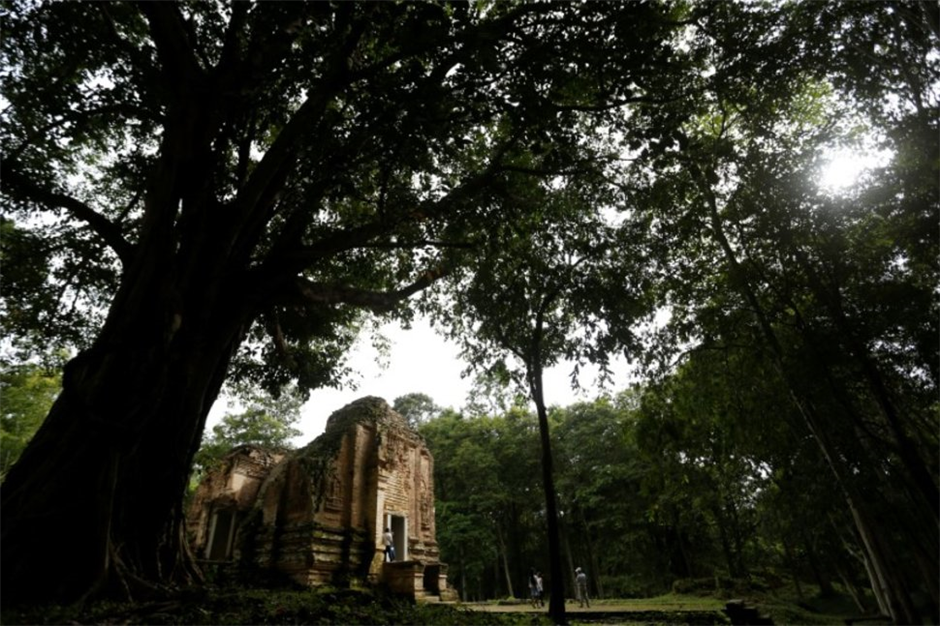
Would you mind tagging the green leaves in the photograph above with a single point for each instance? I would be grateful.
(416, 408)
(28, 393)
(266, 421)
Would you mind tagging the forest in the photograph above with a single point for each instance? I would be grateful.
(661, 489)
(202, 196)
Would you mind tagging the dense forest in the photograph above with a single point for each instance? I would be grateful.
(208, 193)
(660, 489)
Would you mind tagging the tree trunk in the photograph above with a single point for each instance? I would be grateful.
(725, 542)
(505, 559)
(556, 606)
(97, 496)
(825, 586)
(680, 562)
(463, 577)
(592, 556)
(566, 533)
(920, 476)
(794, 569)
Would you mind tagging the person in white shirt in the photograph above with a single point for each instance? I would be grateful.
(389, 545)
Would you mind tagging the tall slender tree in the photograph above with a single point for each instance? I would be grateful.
(554, 286)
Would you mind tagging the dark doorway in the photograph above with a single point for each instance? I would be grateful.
(221, 535)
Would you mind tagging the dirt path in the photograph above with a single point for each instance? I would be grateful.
(623, 612)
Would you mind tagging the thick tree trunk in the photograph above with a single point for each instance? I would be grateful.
(95, 505)
(103, 511)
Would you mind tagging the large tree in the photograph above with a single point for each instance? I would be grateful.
(219, 189)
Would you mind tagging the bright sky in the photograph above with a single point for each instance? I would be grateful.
(844, 167)
(421, 361)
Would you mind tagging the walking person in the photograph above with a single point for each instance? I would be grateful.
(581, 580)
(540, 590)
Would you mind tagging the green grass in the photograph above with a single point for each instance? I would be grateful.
(338, 606)
(667, 602)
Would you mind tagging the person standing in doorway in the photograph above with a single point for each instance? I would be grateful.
(581, 579)
(389, 545)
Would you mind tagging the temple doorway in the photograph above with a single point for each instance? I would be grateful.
(398, 524)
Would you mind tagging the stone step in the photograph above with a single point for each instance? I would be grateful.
(426, 597)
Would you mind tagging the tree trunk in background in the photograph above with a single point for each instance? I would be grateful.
(685, 562)
(920, 476)
(887, 582)
(927, 569)
(794, 569)
(566, 536)
(851, 588)
(825, 587)
(592, 557)
(726, 547)
(505, 559)
(463, 577)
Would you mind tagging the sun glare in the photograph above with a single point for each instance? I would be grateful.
(843, 168)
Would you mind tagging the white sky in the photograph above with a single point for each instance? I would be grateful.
(420, 361)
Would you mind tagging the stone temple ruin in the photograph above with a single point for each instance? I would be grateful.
(317, 515)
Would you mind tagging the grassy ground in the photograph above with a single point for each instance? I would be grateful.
(782, 604)
(331, 606)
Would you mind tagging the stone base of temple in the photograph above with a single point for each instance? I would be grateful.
(425, 582)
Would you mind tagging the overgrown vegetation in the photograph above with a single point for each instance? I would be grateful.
(263, 606)
(237, 605)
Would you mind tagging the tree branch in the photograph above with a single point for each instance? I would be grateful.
(419, 243)
(16, 184)
(278, 160)
(79, 118)
(360, 236)
(377, 301)
(177, 57)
